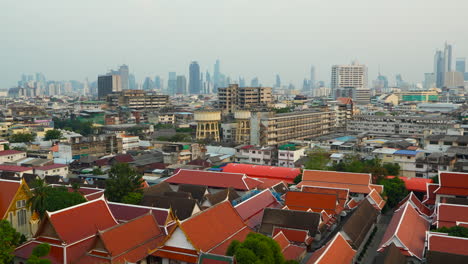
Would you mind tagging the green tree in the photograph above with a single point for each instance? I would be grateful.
(38, 254)
(318, 159)
(6, 147)
(123, 179)
(256, 248)
(132, 198)
(392, 168)
(97, 171)
(46, 198)
(9, 240)
(22, 138)
(395, 190)
(53, 134)
(458, 231)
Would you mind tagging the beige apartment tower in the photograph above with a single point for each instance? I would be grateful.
(234, 98)
(349, 76)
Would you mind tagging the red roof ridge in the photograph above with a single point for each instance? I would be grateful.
(102, 198)
(15, 181)
(237, 232)
(266, 190)
(395, 234)
(328, 246)
(322, 187)
(140, 206)
(358, 173)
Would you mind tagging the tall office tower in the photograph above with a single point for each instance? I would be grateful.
(306, 85)
(399, 81)
(278, 81)
(216, 76)
(460, 65)
(132, 85)
(148, 84)
(157, 82)
(172, 83)
(86, 90)
(429, 80)
(312, 77)
(349, 76)
(442, 64)
(254, 82)
(181, 85)
(208, 83)
(383, 80)
(108, 84)
(439, 71)
(123, 72)
(447, 57)
(194, 78)
(241, 82)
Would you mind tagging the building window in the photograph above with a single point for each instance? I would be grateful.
(21, 217)
(419, 166)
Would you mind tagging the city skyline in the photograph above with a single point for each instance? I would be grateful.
(69, 50)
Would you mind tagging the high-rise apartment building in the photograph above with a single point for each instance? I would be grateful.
(216, 76)
(442, 64)
(312, 77)
(137, 99)
(349, 76)
(460, 65)
(194, 78)
(123, 72)
(234, 97)
(172, 83)
(181, 85)
(108, 84)
(429, 80)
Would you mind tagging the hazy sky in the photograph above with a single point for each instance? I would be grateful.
(75, 39)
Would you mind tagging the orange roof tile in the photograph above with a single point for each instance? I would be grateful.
(430, 196)
(261, 171)
(353, 203)
(453, 183)
(417, 204)
(317, 202)
(408, 228)
(414, 184)
(448, 244)
(251, 210)
(343, 194)
(282, 241)
(137, 233)
(355, 182)
(214, 179)
(376, 199)
(82, 220)
(208, 229)
(8, 190)
(328, 254)
(449, 214)
(294, 235)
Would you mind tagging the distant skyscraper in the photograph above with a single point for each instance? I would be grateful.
(312, 77)
(148, 84)
(157, 82)
(241, 82)
(132, 82)
(172, 83)
(123, 72)
(107, 84)
(399, 81)
(254, 82)
(429, 80)
(216, 76)
(383, 81)
(442, 64)
(194, 78)
(181, 85)
(448, 57)
(278, 81)
(460, 65)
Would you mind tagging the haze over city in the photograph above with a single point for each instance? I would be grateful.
(74, 40)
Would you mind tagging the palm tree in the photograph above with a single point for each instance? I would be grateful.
(38, 196)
